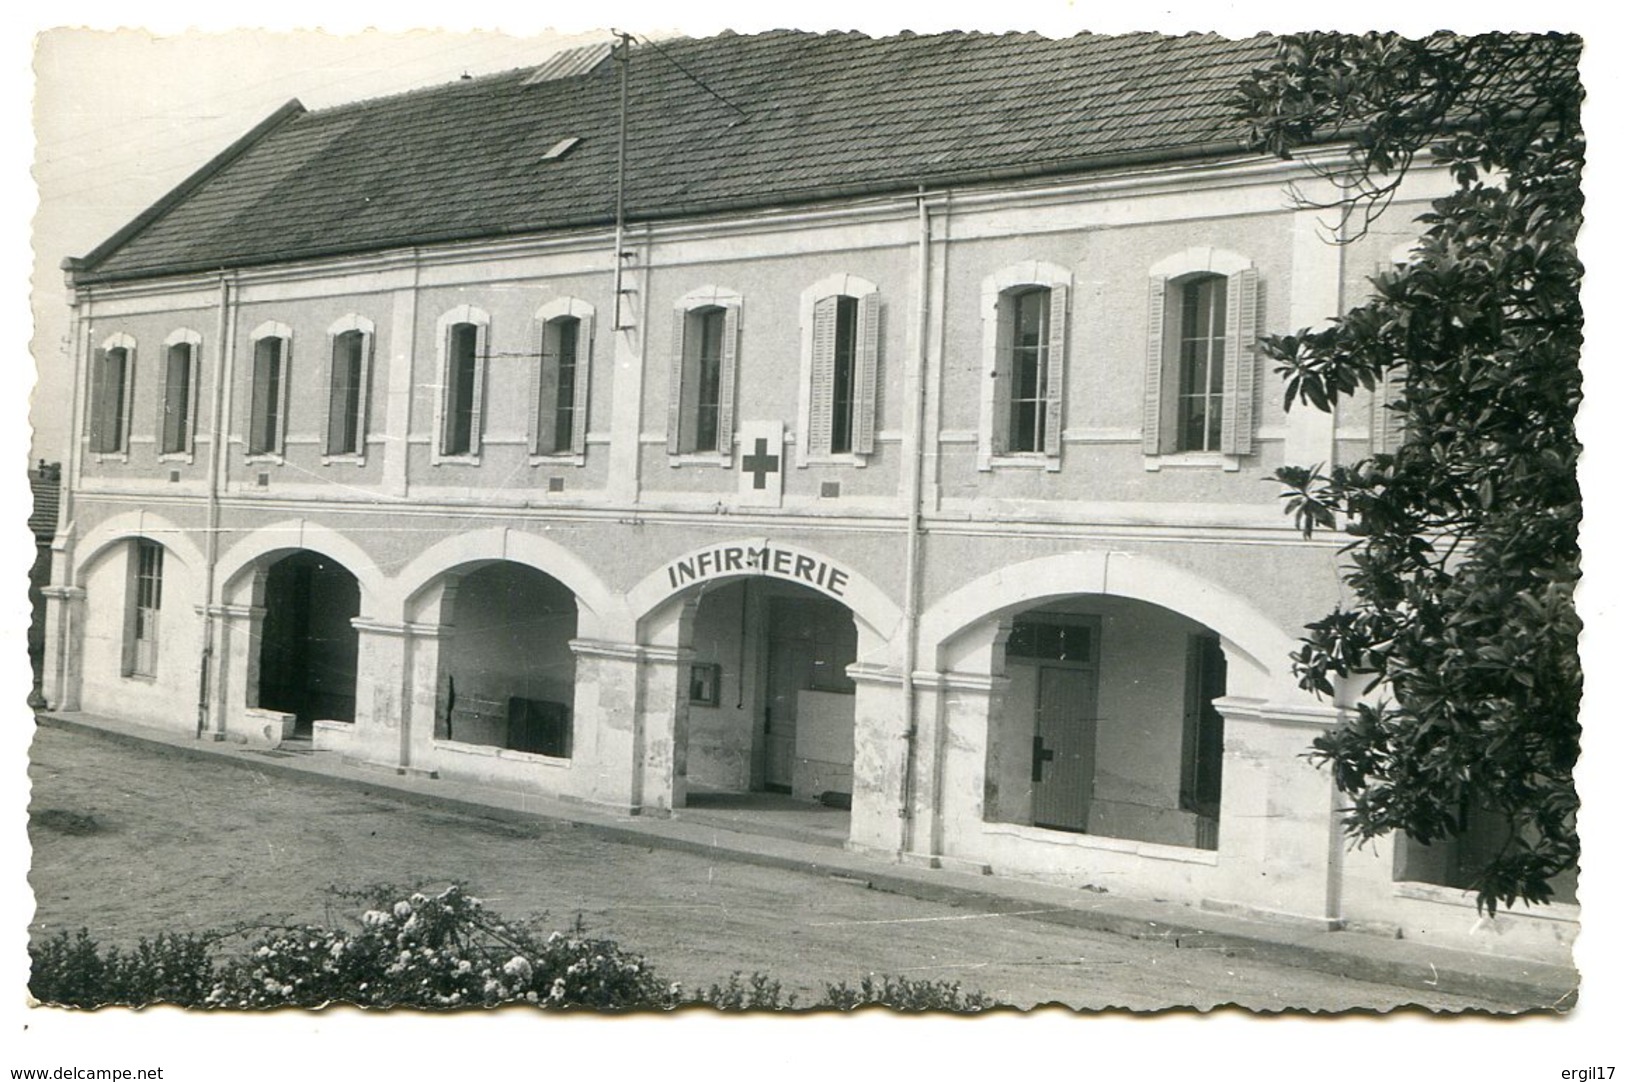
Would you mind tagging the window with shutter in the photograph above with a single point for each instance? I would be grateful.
(463, 358)
(563, 351)
(347, 387)
(1388, 423)
(112, 376)
(268, 395)
(1201, 375)
(704, 372)
(177, 405)
(1025, 328)
(840, 371)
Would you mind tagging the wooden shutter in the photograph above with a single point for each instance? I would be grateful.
(175, 401)
(476, 408)
(546, 438)
(821, 392)
(1002, 375)
(725, 393)
(1387, 424)
(578, 418)
(1241, 363)
(363, 392)
(1156, 342)
(339, 403)
(1055, 376)
(866, 380)
(97, 413)
(260, 405)
(674, 391)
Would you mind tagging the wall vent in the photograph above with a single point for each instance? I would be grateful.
(555, 484)
(263, 480)
(174, 475)
(829, 490)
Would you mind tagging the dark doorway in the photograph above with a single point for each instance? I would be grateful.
(308, 644)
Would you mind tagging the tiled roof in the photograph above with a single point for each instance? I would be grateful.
(781, 118)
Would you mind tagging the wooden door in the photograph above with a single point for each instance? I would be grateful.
(1064, 748)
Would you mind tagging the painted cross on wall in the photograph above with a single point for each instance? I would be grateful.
(761, 463)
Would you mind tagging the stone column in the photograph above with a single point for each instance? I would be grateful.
(391, 660)
(1278, 832)
(631, 722)
(424, 696)
(64, 645)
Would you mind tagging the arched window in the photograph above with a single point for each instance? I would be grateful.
(1024, 336)
(563, 378)
(1202, 355)
(112, 380)
(840, 370)
(463, 352)
(177, 419)
(704, 368)
(349, 376)
(145, 598)
(268, 396)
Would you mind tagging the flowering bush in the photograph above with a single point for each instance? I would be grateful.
(439, 950)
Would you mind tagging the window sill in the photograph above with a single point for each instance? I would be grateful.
(264, 459)
(1027, 460)
(176, 456)
(109, 456)
(455, 460)
(848, 459)
(1193, 460)
(344, 460)
(142, 677)
(700, 458)
(561, 458)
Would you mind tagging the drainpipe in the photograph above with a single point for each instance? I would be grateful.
(911, 552)
(225, 350)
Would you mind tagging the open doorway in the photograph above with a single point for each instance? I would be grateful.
(308, 645)
(770, 705)
(1107, 725)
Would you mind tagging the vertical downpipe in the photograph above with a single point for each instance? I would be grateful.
(911, 559)
(620, 181)
(224, 348)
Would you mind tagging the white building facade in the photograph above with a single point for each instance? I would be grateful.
(949, 500)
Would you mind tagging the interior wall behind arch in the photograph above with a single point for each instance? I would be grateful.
(510, 639)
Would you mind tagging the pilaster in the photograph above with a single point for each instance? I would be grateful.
(64, 645)
(1317, 285)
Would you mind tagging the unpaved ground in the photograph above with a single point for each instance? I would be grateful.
(132, 841)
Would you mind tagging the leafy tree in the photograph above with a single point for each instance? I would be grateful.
(1465, 550)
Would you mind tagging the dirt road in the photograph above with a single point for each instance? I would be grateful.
(131, 841)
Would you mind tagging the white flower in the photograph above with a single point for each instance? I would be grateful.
(518, 968)
(403, 909)
(464, 966)
(372, 918)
